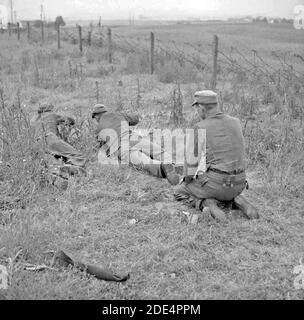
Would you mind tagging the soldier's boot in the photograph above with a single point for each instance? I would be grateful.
(246, 207)
(73, 170)
(215, 211)
(168, 171)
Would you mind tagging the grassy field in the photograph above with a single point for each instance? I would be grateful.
(247, 35)
(264, 38)
(167, 257)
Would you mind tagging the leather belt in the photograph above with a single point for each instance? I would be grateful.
(234, 172)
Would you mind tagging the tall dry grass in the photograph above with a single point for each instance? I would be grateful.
(23, 159)
(269, 105)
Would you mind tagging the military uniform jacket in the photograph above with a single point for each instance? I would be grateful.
(48, 123)
(113, 127)
(223, 148)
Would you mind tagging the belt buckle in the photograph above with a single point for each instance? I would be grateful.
(229, 181)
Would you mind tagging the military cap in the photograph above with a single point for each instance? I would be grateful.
(98, 108)
(205, 97)
(46, 107)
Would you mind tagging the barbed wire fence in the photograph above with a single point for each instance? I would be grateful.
(218, 64)
(247, 80)
(180, 51)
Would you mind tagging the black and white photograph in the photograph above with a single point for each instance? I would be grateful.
(151, 150)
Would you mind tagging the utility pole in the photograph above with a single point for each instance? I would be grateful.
(215, 61)
(41, 12)
(131, 18)
(12, 12)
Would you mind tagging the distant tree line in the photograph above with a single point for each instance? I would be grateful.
(272, 20)
(49, 24)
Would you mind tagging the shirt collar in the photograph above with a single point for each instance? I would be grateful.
(214, 114)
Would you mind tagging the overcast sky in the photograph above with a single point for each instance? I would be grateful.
(170, 9)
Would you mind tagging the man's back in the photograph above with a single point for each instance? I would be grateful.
(225, 147)
(111, 120)
(119, 122)
(47, 123)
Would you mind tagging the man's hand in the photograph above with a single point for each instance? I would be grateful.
(188, 179)
(65, 120)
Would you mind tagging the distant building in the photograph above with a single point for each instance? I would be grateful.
(260, 20)
(279, 20)
(193, 18)
(241, 20)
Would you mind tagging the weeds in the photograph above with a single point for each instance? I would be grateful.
(90, 218)
(23, 160)
(177, 106)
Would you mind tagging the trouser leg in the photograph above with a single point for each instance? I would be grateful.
(199, 193)
(183, 194)
(63, 149)
(215, 211)
(142, 161)
(154, 150)
(212, 188)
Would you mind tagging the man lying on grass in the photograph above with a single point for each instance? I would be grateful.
(46, 127)
(218, 172)
(119, 141)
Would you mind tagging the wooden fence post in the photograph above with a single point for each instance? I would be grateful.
(58, 35)
(279, 79)
(9, 29)
(215, 55)
(80, 39)
(255, 61)
(89, 37)
(152, 53)
(28, 30)
(42, 31)
(109, 45)
(18, 30)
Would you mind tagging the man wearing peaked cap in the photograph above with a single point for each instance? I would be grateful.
(205, 97)
(98, 109)
(215, 165)
(45, 107)
(139, 151)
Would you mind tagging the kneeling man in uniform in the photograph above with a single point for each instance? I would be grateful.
(216, 171)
